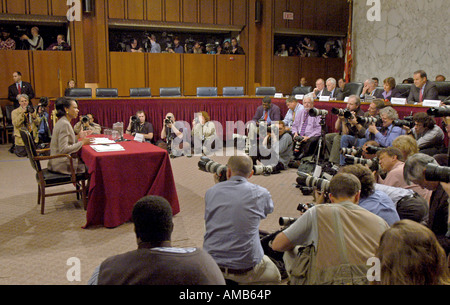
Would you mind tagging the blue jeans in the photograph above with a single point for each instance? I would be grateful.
(349, 141)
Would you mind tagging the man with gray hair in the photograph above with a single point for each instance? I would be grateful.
(414, 171)
(333, 91)
(385, 134)
(370, 88)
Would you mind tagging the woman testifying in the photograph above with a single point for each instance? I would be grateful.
(64, 140)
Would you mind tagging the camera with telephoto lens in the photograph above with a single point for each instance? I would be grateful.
(287, 221)
(311, 181)
(366, 120)
(168, 121)
(439, 111)
(207, 165)
(297, 143)
(266, 170)
(342, 112)
(401, 123)
(371, 150)
(434, 172)
(351, 151)
(317, 112)
(372, 163)
(134, 119)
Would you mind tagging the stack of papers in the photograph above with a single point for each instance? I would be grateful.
(107, 147)
(103, 141)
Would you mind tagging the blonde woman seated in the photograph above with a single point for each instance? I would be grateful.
(203, 133)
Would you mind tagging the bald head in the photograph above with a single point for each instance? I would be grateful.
(240, 166)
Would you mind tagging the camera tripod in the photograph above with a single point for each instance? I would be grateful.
(318, 151)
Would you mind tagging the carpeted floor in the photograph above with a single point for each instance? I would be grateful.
(36, 249)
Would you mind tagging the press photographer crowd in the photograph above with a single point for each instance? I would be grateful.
(377, 185)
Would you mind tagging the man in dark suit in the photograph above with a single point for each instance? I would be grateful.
(267, 111)
(332, 90)
(423, 89)
(19, 87)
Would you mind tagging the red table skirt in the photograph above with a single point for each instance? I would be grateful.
(119, 179)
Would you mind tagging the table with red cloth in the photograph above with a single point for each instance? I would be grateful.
(120, 178)
(108, 111)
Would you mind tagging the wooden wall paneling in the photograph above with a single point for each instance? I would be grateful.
(198, 71)
(52, 69)
(190, 11)
(59, 8)
(335, 67)
(172, 10)
(308, 14)
(320, 15)
(13, 61)
(207, 11)
(90, 46)
(136, 9)
(39, 7)
(286, 73)
(78, 50)
(101, 43)
(240, 11)
(230, 71)
(279, 6)
(163, 70)
(295, 6)
(116, 9)
(16, 7)
(334, 15)
(154, 10)
(127, 71)
(223, 11)
(313, 68)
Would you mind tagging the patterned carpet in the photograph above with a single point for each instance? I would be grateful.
(35, 248)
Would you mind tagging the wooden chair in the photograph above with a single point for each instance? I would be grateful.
(46, 178)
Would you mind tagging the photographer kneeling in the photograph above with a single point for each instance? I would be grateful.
(86, 122)
(349, 235)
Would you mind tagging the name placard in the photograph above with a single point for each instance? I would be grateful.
(278, 95)
(299, 96)
(139, 137)
(398, 101)
(324, 98)
(431, 103)
(346, 99)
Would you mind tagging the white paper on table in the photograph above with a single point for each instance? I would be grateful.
(103, 141)
(108, 147)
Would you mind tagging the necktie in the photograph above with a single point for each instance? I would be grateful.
(19, 88)
(305, 121)
(421, 95)
(265, 115)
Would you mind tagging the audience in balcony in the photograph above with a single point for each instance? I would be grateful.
(6, 42)
(59, 45)
(36, 43)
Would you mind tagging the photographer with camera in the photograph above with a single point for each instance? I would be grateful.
(294, 108)
(348, 131)
(306, 130)
(172, 136)
(138, 124)
(59, 45)
(233, 211)
(349, 235)
(203, 133)
(43, 130)
(86, 122)
(25, 116)
(391, 162)
(385, 134)
(371, 199)
(429, 136)
(425, 171)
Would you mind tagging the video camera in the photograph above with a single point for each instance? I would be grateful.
(342, 112)
(207, 165)
(434, 172)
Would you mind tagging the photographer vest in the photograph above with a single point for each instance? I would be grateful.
(347, 236)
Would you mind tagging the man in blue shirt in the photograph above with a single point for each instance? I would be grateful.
(233, 211)
(388, 132)
(373, 200)
(294, 108)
